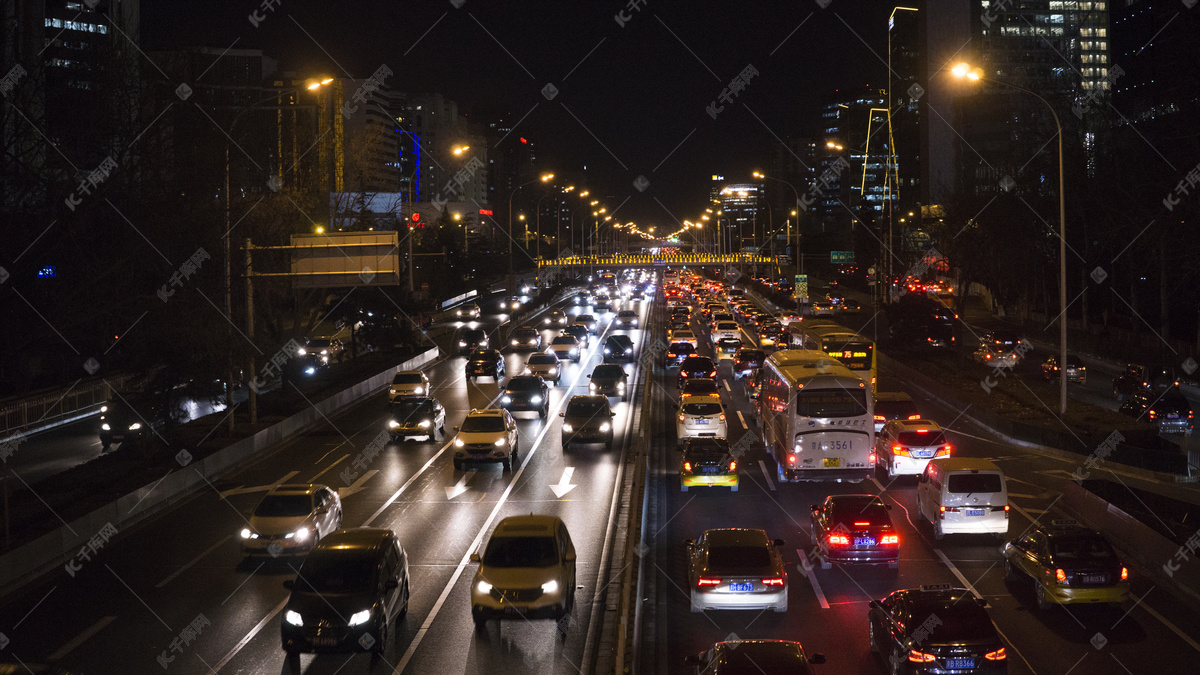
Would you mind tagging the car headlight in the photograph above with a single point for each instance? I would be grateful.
(299, 535)
(605, 426)
(105, 426)
(484, 587)
(424, 424)
(500, 443)
(246, 533)
(606, 351)
(592, 386)
(574, 350)
(301, 351)
(554, 371)
(629, 350)
(506, 399)
(419, 390)
(462, 344)
(392, 424)
(293, 617)
(103, 408)
(458, 443)
(135, 426)
(620, 385)
(483, 343)
(514, 343)
(535, 399)
(567, 427)
(550, 586)
(359, 617)
(458, 313)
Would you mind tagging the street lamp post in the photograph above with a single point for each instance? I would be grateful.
(975, 74)
(543, 178)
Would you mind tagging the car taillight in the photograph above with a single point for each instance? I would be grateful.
(776, 581)
(943, 509)
(1124, 574)
(713, 374)
(687, 466)
(704, 581)
(900, 451)
(997, 655)
(722, 417)
(1152, 413)
(944, 451)
(681, 416)
(879, 418)
(920, 657)
(1060, 575)
(839, 540)
(791, 459)
(871, 458)
(733, 465)
(890, 540)
(1006, 510)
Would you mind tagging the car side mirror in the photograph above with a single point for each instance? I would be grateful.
(689, 542)
(562, 414)
(816, 658)
(289, 584)
(778, 543)
(589, 376)
(612, 414)
(889, 507)
(475, 557)
(693, 660)
(391, 584)
(456, 428)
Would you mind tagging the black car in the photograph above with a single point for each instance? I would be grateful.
(746, 360)
(742, 657)
(894, 405)
(1167, 408)
(696, 366)
(679, 351)
(526, 393)
(348, 594)
(1137, 377)
(609, 379)
(579, 332)
(618, 348)
(472, 339)
(485, 363)
(588, 419)
(416, 417)
(582, 299)
(935, 629)
(132, 419)
(855, 529)
(1001, 340)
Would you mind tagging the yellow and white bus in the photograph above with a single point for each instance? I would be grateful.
(855, 351)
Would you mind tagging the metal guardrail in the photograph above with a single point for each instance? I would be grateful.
(31, 412)
(660, 259)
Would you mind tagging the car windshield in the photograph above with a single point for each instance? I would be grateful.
(698, 363)
(626, 314)
(736, 558)
(727, 325)
(831, 402)
(318, 343)
(706, 450)
(854, 510)
(955, 621)
(521, 552)
(585, 318)
(586, 407)
(542, 360)
(974, 482)
(410, 409)
(483, 355)
(608, 372)
(284, 506)
(1080, 548)
(701, 385)
(474, 334)
(757, 659)
(564, 340)
(532, 383)
(483, 424)
(332, 573)
(620, 341)
(918, 438)
(681, 348)
(526, 334)
(407, 378)
(701, 408)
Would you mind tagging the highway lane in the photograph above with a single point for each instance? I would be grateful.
(127, 607)
(827, 608)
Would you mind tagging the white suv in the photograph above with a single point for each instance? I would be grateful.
(408, 384)
(700, 417)
(488, 435)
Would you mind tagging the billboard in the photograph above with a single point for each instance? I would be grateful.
(344, 259)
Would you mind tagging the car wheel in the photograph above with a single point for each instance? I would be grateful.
(479, 618)
(1039, 594)
(920, 511)
(608, 445)
(380, 645)
(937, 530)
(871, 641)
(544, 412)
(506, 464)
(1011, 574)
(458, 465)
(404, 604)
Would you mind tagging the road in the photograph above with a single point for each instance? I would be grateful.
(125, 608)
(827, 610)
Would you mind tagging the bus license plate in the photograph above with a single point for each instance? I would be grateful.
(961, 662)
(832, 462)
(832, 445)
(741, 588)
(975, 512)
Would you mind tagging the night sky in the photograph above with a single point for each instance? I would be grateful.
(637, 96)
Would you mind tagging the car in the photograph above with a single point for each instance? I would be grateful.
(725, 329)
(1066, 564)
(904, 447)
(545, 366)
(603, 304)
(989, 356)
(133, 418)
(723, 317)
(786, 317)
(468, 310)
(1075, 370)
(589, 322)
(754, 384)
(582, 299)
(566, 347)
(408, 384)
(855, 529)
(626, 318)
(736, 568)
(526, 393)
(291, 519)
(526, 571)
(1139, 377)
(618, 348)
(700, 417)
(1002, 340)
(848, 306)
(696, 366)
(348, 595)
(678, 351)
(725, 348)
(683, 335)
(707, 462)
(935, 629)
(555, 319)
(587, 419)
(746, 360)
(1168, 409)
(822, 308)
(609, 379)
(963, 495)
(471, 339)
(328, 349)
(746, 657)
(580, 332)
(526, 337)
(417, 417)
(700, 386)
(509, 304)
(485, 363)
(487, 436)
(893, 405)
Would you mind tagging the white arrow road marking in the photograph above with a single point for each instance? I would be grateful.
(453, 491)
(564, 484)
(259, 488)
(357, 486)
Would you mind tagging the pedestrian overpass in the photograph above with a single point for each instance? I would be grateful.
(657, 260)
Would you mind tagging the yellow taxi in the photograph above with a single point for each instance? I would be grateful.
(1067, 564)
(707, 462)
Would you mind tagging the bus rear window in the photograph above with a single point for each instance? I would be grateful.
(831, 402)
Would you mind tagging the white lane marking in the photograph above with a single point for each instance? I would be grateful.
(954, 570)
(564, 484)
(807, 568)
(741, 418)
(319, 474)
(475, 543)
(875, 480)
(259, 488)
(216, 668)
(460, 487)
(81, 638)
(1019, 494)
(726, 382)
(357, 486)
(1170, 626)
(193, 561)
(766, 475)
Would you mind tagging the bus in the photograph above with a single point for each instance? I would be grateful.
(855, 351)
(816, 418)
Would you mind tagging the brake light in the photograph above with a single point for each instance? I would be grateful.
(1152, 413)
(1124, 574)
(713, 374)
(890, 540)
(777, 581)
(944, 451)
(1060, 575)
(791, 459)
(704, 581)
(997, 655)
(900, 451)
(922, 431)
(871, 458)
(839, 540)
(733, 465)
(914, 417)
(920, 657)
(1006, 510)
(861, 522)
(681, 416)
(687, 466)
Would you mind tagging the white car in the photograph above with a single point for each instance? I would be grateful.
(725, 329)
(700, 417)
(545, 366)
(555, 319)
(408, 384)
(904, 447)
(566, 348)
(683, 335)
(468, 311)
(488, 435)
(292, 518)
(526, 571)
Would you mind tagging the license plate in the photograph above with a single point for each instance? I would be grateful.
(1172, 417)
(960, 662)
(976, 512)
(864, 541)
(708, 469)
(702, 422)
(1094, 579)
(832, 445)
(832, 462)
(742, 587)
(324, 641)
(922, 454)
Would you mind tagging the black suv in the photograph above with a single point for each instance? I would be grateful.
(609, 379)
(935, 629)
(472, 339)
(618, 348)
(679, 351)
(745, 360)
(485, 363)
(526, 393)
(696, 366)
(588, 419)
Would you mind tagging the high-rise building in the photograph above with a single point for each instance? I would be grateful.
(854, 159)
(437, 130)
(740, 224)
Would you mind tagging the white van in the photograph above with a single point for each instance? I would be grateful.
(962, 495)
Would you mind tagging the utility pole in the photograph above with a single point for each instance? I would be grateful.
(250, 331)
